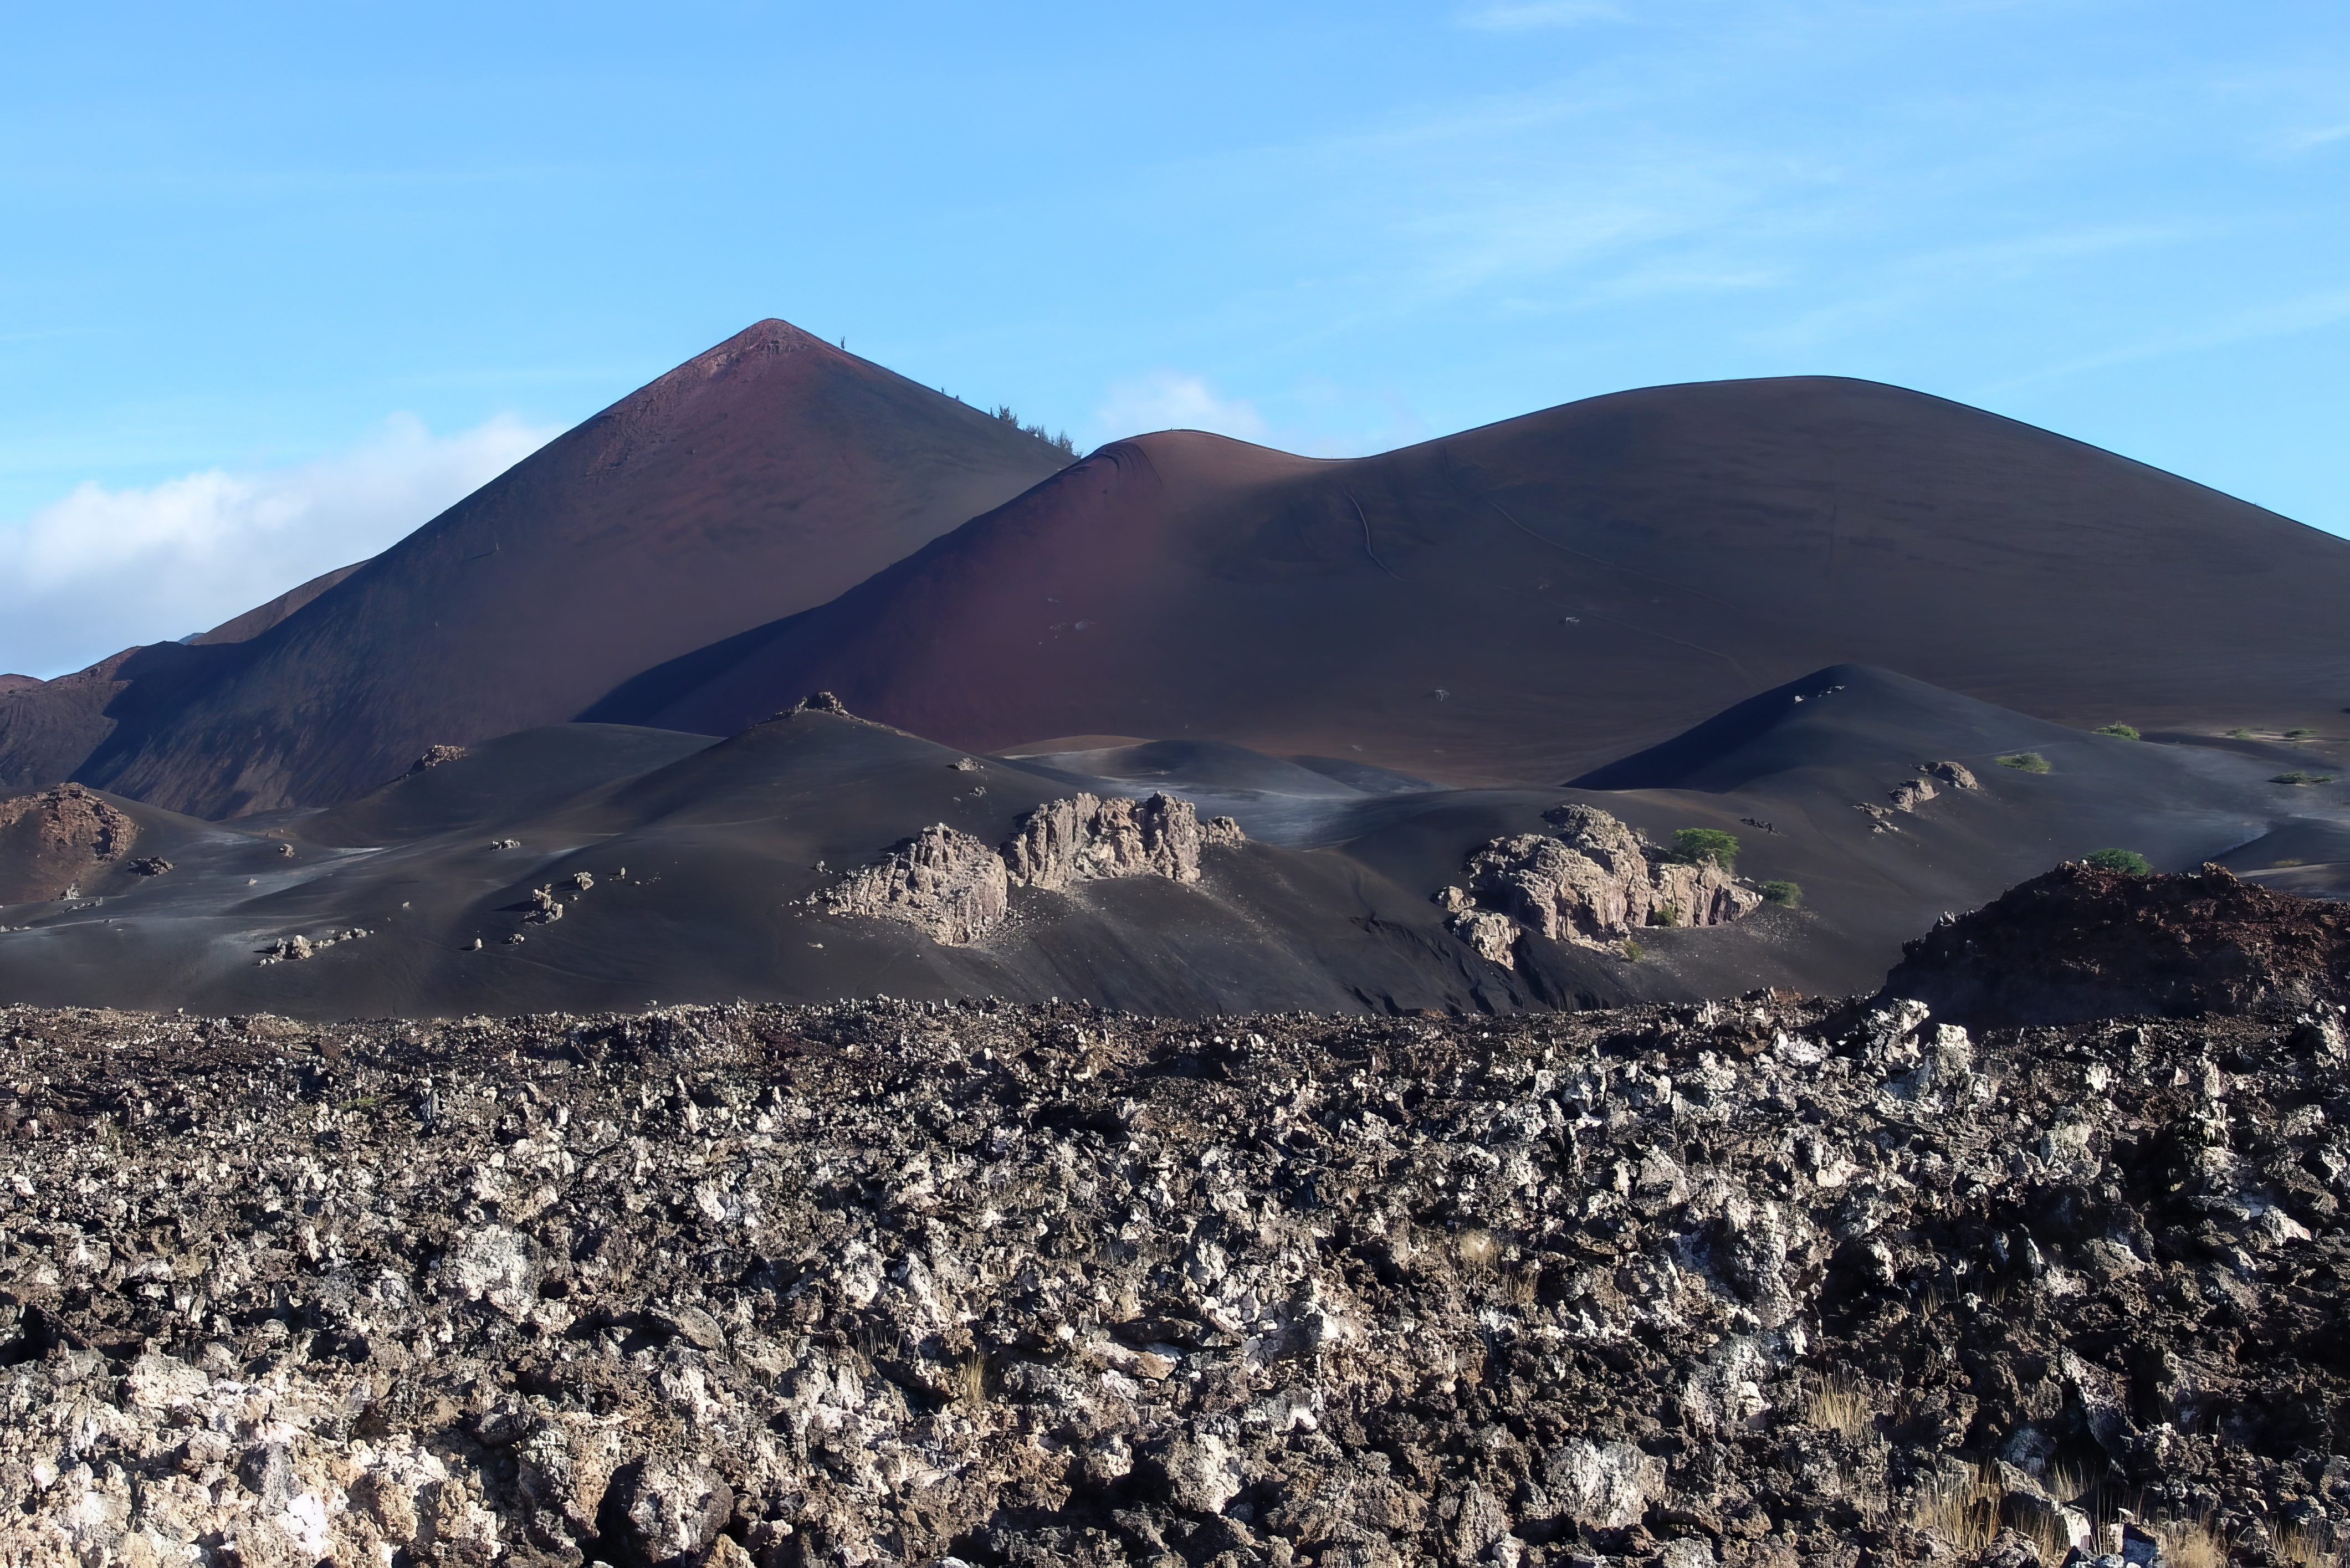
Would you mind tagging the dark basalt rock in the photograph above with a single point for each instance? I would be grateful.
(879, 1281)
(2081, 943)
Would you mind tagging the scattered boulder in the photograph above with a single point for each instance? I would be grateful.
(1956, 774)
(150, 865)
(1911, 793)
(1085, 838)
(292, 950)
(943, 882)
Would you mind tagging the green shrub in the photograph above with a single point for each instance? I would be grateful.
(2119, 731)
(2025, 761)
(1630, 950)
(2301, 776)
(1703, 845)
(1788, 894)
(2129, 862)
(1665, 914)
(2239, 733)
(1058, 442)
(2303, 733)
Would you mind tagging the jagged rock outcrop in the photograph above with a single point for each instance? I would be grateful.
(433, 756)
(1910, 793)
(1592, 882)
(57, 839)
(1085, 838)
(1747, 1285)
(2079, 942)
(944, 883)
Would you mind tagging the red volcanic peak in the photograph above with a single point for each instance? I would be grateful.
(762, 478)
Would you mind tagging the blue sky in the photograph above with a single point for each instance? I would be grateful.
(278, 281)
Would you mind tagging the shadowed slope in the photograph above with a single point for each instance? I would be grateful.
(261, 618)
(766, 476)
(1532, 598)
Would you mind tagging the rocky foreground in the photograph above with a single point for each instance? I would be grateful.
(891, 1283)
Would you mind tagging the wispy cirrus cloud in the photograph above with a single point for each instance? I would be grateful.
(1525, 15)
(104, 568)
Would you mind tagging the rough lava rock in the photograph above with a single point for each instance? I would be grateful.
(2080, 943)
(1762, 1281)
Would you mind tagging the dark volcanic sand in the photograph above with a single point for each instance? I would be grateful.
(1327, 904)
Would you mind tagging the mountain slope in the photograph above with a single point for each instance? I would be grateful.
(761, 478)
(1534, 598)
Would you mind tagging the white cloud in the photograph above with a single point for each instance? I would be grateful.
(102, 569)
(2307, 140)
(1166, 399)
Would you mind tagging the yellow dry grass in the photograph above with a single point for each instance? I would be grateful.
(971, 1382)
(1840, 1404)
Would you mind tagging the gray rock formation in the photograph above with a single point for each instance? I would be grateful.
(1593, 883)
(1085, 838)
(944, 883)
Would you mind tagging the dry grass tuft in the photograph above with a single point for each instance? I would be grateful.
(1476, 1249)
(2192, 1545)
(971, 1382)
(1522, 1286)
(1969, 1514)
(1966, 1514)
(1841, 1404)
(2297, 1546)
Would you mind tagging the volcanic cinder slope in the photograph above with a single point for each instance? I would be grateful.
(1530, 599)
(766, 476)
(722, 869)
(1381, 668)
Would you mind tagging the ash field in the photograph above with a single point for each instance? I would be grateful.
(1735, 972)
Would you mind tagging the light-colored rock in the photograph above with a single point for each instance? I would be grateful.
(1595, 883)
(943, 882)
(1085, 838)
(492, 1264)
(1493, 936)
(1604, 1486)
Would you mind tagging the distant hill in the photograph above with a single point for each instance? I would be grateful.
(1528, 600)
(762, 478)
